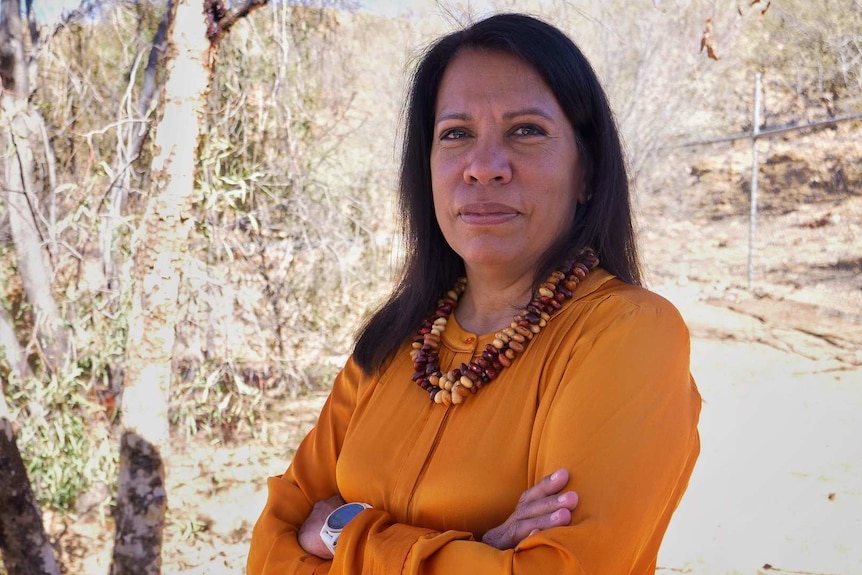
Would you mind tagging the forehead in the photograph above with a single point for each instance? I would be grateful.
(476, 77)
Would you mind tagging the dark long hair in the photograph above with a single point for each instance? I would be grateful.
(605, 222)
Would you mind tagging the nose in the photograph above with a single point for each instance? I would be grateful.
(489, 163)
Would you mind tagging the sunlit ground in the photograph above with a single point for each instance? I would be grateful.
(779, 480)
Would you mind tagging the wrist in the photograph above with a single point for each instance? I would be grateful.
(336, 522)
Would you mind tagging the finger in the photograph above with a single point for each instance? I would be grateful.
(523, 529)
(545, 506)
(546, 486)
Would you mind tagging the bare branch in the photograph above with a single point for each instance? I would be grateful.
(221, 19)
(86, 8)
(157, 51)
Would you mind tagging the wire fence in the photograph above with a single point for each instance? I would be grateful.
(801, 194)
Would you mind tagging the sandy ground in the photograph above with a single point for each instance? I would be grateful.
(778, 487)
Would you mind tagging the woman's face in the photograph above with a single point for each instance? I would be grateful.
(505, 171)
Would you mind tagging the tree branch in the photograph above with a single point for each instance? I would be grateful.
(221, 19)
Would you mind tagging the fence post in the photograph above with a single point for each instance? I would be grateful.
(755, 132)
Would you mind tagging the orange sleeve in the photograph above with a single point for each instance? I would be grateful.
(274, 547)
(623, 421)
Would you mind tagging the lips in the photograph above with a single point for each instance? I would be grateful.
(487, 214)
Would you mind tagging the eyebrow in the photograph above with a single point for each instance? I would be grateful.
(528, 112)
(507, 116)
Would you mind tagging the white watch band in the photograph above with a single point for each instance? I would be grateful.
(337, 521)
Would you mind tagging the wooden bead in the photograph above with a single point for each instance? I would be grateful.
(524, 331)
(446, 397)
(455, 385)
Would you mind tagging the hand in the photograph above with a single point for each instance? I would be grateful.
(540, 507)
(309, 534)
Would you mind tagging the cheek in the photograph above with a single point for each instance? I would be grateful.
(442, 186)
(442, 170)
(559, 209)
(439, 205)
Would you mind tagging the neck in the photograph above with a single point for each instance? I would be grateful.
(491, 299)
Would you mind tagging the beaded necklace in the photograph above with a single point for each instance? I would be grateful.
(454, 386)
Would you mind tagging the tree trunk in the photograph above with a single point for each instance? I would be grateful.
(159, 254)
(10, 349)
(24, 546)
(20, 188)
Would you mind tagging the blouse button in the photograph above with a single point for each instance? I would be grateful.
(469, 339)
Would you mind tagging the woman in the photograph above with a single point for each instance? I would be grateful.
(561, 428)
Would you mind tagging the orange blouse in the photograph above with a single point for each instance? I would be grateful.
(603, 391)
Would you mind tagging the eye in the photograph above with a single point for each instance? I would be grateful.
(453, 134)
(528, 130)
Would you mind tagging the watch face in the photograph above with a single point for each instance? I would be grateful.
(342, 516)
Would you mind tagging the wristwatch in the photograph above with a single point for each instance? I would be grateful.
(337, 521)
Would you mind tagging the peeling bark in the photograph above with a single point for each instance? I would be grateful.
(24, 546)
(159, 255)
(141, 505)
